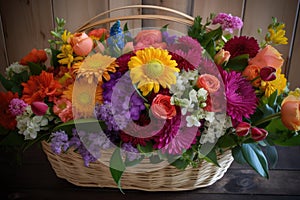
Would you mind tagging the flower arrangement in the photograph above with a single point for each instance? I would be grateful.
(155, 95)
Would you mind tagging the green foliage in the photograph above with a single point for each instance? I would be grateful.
(238, 63)
(117, 167)
(57, 33)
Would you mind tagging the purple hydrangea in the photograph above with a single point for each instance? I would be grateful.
(169, 39)
(17, 106)
(228, 22)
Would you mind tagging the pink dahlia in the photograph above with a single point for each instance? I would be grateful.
(242, 45)
(241, 97)
(189, 50)
(175, 136)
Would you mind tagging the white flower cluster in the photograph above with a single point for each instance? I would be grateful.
(215, 129)
(29, 124)
(190, 100)
(15, 68)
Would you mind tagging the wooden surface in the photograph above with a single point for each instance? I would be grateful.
(35, 179)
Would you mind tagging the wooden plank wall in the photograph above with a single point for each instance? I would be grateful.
(26, 24)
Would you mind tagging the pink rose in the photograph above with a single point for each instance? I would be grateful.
(161, 107)
(147, 38)
(63, 108)
(82, 44)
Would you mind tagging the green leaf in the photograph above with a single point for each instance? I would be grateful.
(89, 124)
(131, 163)
(7, 84)
(146, 149)
(35, 69)
(255, 158)
(211, 36)
(154, 159)
(227, 141)
(125, 28)
(293, 141)
(238, 63)
(272, 155)
(212, 157)
(238, 155)
(117, 167)
(272, 100)
(180, 163)
(54, 59)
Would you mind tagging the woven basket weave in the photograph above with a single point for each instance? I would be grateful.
(70, 165)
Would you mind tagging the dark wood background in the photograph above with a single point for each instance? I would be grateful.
(35, 179)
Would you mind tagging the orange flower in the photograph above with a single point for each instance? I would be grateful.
(208, 82)
(252, 72)
(82, 44)
(35, 56)
(39, 87)
(162, 108)
(290, 110)
(97, 34)
(8, 121)
(267, 57)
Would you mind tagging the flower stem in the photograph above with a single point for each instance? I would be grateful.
(268, 118)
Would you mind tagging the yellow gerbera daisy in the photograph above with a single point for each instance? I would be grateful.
(83, 96)
(151, 68)
(278, 84)
(96, 66)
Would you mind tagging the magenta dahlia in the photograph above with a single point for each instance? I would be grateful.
(242, 45)
(175, 136)
(241, 97)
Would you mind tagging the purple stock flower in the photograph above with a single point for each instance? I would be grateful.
(130, 152)
(228, 22)
(17, 106)
(169, 39)
(59, 142)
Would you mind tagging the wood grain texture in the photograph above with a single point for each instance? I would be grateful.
(26, 25)
(3, 54)
(183, 6)
(77, 12)
(294, 72)
(132, 24)
(258, 14)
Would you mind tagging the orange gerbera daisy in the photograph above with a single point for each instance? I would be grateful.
(8, 121)
(83, 96)
(39, 87)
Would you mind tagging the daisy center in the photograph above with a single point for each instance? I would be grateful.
(154, 68)
(84, 98)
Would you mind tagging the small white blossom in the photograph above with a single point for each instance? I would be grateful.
(192, 121)
(15, 68)
(193, 96)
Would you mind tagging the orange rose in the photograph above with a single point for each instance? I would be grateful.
(99, 33)
(268, 56)
(35, 56)
(252, 72)
(147, 38)
(161, 107)
(208, 82)
(82, 44)
(290, 110)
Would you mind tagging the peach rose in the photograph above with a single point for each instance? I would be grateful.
(147, 38)
(161, 107)
(208, 82)
(268, 56)
(252, 72)
(35, 56)
(82, 44)
(221, 57)
(290, 110)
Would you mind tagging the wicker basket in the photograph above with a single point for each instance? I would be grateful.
(70, 165)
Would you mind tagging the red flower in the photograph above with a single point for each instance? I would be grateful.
(39, 87)
(242, 45)
(98, 33)
(242, 129)
(35, 56)
(8, 120)
(258, 134)
(162, 108)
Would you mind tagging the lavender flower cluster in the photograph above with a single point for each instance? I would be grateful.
(228, 22)
(88, 145)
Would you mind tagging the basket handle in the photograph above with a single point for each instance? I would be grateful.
(183, 18)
